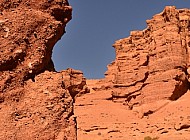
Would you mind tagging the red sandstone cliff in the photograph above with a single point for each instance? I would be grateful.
(145, 93)
(35, 101)
(152, 64)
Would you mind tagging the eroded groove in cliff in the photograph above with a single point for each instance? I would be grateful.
(180, 89)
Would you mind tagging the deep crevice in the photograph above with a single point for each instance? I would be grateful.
(185, 126)
(180, 89)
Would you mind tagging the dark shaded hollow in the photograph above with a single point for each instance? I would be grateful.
(180, 90)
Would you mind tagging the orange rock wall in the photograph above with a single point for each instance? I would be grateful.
(152, 64)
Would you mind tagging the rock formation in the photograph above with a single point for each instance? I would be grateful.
(145, 93)
(35, 101)
(148, 79)
(151, 65)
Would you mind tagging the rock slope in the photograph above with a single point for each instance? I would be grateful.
(35, 101)
(102, 119)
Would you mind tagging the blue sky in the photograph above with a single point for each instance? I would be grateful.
(96, 25)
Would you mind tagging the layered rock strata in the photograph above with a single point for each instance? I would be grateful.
(35, 101)
(152, 64)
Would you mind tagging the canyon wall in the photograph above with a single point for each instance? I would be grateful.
(145, 93)
(35, 101)
(152, 64)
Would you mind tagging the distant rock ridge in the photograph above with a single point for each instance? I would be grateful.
(36, 102)
(152, 64)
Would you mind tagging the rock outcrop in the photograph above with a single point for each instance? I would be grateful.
(152, 64)
(35, 101)
(29, 30)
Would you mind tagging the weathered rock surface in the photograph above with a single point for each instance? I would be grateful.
(152, 64)
(35, 101)
(29, 30)
(42, 109)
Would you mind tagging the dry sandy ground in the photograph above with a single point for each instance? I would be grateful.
(102, 119)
